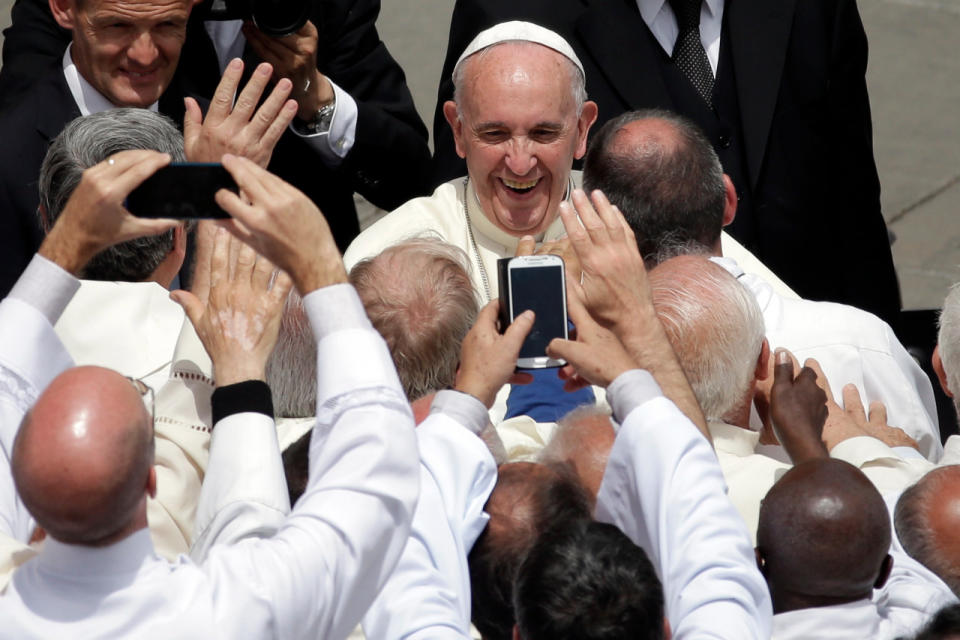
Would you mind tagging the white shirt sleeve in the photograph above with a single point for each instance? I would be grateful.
(31, 356)
(244, 493)
(663, 487)
(334, 144)
(428, 595)
(318, 575)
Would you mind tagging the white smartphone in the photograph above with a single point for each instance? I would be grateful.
(537, 283)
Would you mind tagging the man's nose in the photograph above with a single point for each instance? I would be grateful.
(521, 158)
(142, 50)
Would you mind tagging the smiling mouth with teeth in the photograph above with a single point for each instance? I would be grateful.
(520, 187)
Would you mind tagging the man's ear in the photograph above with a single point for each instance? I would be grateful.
(730, 200)
(667, 631)
(588, 115)
(763, 361)
(885, 568)
(152, 482)
(64, 12)
(452, 115)
(940, 371)
(761, 563)
(516, 633)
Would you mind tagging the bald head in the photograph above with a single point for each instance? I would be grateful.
(663, 174)
(823, 536)
(927, 519)
(82, 460)
(583, 440)
(716, 329)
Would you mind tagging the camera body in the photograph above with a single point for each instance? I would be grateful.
(275, 18)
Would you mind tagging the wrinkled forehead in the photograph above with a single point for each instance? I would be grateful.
(147, 10)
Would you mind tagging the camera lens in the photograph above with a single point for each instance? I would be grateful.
(278, 18)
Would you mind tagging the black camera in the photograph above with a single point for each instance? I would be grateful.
(275, 18)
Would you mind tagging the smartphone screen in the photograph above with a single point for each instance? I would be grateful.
(182, 190)
(538, 284)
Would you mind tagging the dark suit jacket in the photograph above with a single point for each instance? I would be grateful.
(27, 130)
(804, 112)
(388, 164)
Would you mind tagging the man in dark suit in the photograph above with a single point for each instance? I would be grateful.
(785, 107)
(379, 148)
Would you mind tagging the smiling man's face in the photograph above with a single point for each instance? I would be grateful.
(519, 131)
(126, 49)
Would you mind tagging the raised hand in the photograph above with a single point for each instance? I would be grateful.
(94, 217)
(282, 224)
(798, 409)
(239, 128)
(488, 359)
(239, 319)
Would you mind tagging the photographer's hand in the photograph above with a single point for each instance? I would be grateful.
(294, 57)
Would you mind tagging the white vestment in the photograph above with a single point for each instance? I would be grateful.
(315, 578)
(663, 487)
(852, 346)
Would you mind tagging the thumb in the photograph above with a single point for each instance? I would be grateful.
(518, 330)
(191, 306)
(782, 368)
(526, 246)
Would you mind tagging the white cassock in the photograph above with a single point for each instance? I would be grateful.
(428, 595)
(663, 487)
(315, 578)
(852, 346)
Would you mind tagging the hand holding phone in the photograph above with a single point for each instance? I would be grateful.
(536, 283)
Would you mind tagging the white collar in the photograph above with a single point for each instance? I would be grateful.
(85, 563)
(88, 99)
(734, 440)
(857, 619)
(649, 9)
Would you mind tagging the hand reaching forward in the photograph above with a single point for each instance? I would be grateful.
(488, 359)
(798, 408)
(239, 321)
(241, 128)
(282, 224)
(94, 217)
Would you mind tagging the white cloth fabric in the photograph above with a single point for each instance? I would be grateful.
(428, 595)
(663, 24)
(851, 621)
(315, 578)
(333, 145)
(663, 487)
(130, 327)
(852, 346)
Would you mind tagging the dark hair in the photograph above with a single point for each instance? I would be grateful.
(552, 500)
(944, 626)
(296, 466)
(669, 187)
(588, 581)
(89, 140)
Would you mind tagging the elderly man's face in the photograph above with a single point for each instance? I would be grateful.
(127, 49)
(519, 132)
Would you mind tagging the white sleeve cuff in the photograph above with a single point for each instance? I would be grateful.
(335, 308)
(45, 286)
(630, 390)
(462, 408)
(334, 144)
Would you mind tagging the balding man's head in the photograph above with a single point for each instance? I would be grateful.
(83, 458)
(583, 439)
(528, 500)
(663, 174)
(823, 536)
(927, 519)
(716, 329)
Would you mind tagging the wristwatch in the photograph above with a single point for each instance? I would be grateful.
(320, 123)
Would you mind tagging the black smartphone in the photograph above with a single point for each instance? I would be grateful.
(536, 283)
(182, 190)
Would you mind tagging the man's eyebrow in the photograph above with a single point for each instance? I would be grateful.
(496, 124)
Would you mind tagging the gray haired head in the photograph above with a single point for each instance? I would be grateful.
(87, 141)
